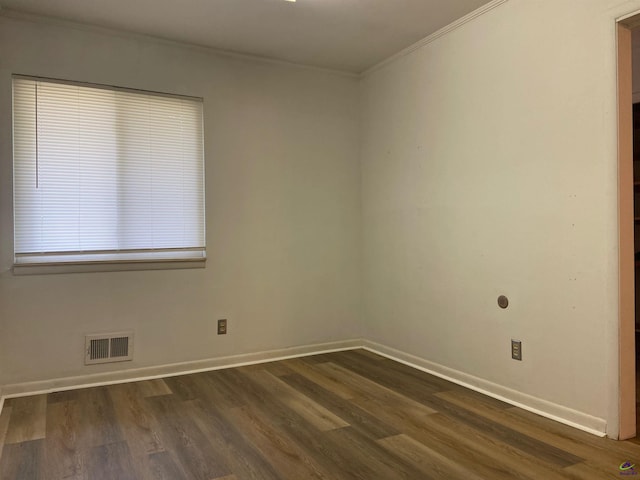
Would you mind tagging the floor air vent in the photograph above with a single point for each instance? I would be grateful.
(106, 348)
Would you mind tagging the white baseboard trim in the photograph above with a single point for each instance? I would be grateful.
(559, 413)
(573, 418)
(170, 370)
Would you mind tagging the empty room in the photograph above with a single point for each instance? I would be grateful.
(330, 239)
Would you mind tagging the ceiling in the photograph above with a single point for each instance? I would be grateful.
(347, 35)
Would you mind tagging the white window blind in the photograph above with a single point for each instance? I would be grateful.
(106, 175)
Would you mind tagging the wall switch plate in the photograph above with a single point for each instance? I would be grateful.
(516, 350)
(222, 326)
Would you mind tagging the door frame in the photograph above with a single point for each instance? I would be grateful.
(626, 249)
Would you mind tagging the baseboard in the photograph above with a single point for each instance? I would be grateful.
(170, 370)
(559, 413)
(573, 418)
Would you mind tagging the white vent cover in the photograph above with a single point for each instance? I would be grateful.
(108, 347)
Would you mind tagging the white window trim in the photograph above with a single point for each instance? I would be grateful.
(115, 266)
(194, 259)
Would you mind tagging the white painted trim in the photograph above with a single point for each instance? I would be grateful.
(29, 17)
(92, 267)
(559, 413)
(171, 370)
(434, 36)
(625, 16)
(59, 22)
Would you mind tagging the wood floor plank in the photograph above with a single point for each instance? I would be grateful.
(436, 383)
(585, 471)
(314, 413)
(212, 390)
(398, 376)
(240, 455)
(329, 460)
(101, 426)
(236, 385)
(138, 427)
(369, 355)
(467, 448)
(330, 456)
(283, 452)
(337, 416)
(23, 461)
(278, 368)
(431, 463)
(5, 415)
(472, 398)
(351, 413)
(372, 393)
(469, 454)
(182, 387)
(153, 388)
(500, 432)
(506, 434)
(519, 462)
(65, 456)
(397, 418)
(369, 459)
(534, 429)
(392, 377)
(624, 449)
(111, 462)
(323, 379)
(163, 467)
(64, 396)
(318, 358)
(28, 419)
(181, 435)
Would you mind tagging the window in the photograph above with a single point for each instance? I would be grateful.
(105, 175)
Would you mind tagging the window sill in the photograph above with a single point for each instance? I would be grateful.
(110, 266)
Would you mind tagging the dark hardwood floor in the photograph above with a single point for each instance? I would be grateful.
(345, 415)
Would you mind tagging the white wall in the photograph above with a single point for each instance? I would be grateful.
(489, 167)
(283, 212)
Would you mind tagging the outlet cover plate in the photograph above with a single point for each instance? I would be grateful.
(222, 326)
(516, 350)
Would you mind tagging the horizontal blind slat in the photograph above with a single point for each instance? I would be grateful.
(115, 169)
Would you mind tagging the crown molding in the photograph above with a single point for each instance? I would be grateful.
(434, 36)
(92, 28)
(55, 21)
